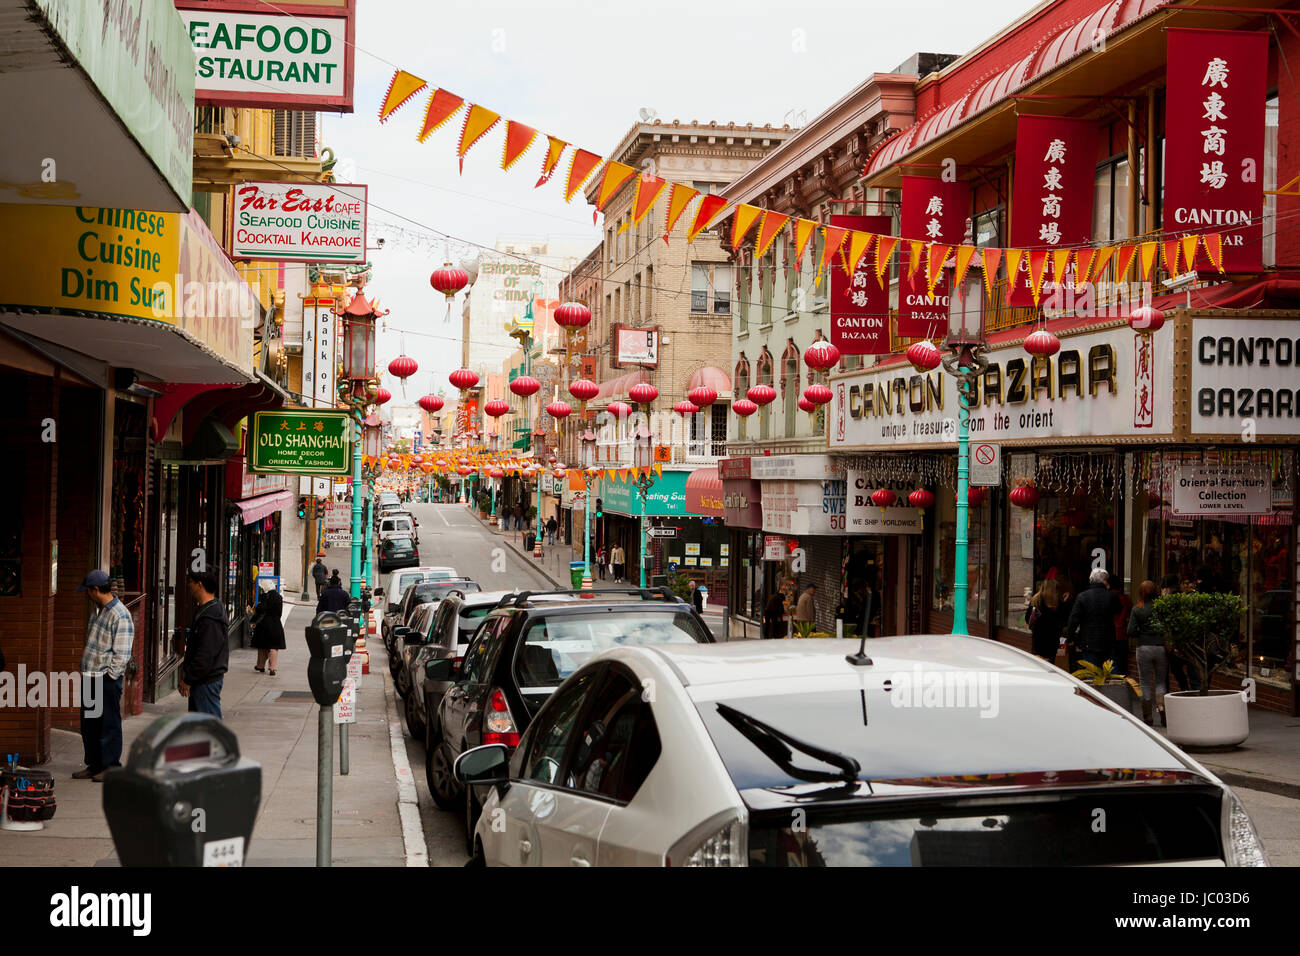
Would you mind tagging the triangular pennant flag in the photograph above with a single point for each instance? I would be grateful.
(1099, 263)
(990, 259)
(1013, 269)
(1037, 268)
(1213, 243)
(551, 161)
(1060, 264)
(659, 469)
(936, 255)
(679, 197)
(708, 210)
(1148, 259)
(859, 243)
(1169, 255)
(834, 237)
(615, 175)
(884, 249)
(442, 106)
(403, 86)
(648, 189)
(743, 220)
(518, 138)
(1083, 260)
(963, 260)
(478, 120)
(581, 166)
(768, 230)
(1188, 244)
(914, 259)
(803, 230)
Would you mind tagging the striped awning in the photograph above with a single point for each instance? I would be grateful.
(704, 493)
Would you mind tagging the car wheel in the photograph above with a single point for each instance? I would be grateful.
(437, 773)
(472, 812)
(403, 682)
(414, 726)
(477, 859)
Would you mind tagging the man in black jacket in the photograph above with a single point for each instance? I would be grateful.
(334, 597)
(207, 653)
(1092, 619)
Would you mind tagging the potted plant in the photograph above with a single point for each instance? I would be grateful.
(808, 629)
(1122, 690)
(1202, 627)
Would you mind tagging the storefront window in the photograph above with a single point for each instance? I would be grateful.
(1021, 575)
(977, 556)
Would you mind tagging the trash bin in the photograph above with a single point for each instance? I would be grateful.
(576, 571)
(530, 541)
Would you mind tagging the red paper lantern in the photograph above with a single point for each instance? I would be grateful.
(402, 367)
(427, 467)
(449, 280)
(924, 355)
(883, 498)
(573, 315)
(463, 378)
(686, 409)
(431, 403)
(1024, 496)
(559, 409)
(974, 496)
(643, 393)
(525, 385)
(921, 498)
(744, 407)
(761, 395)
(702, 396)
(1146, 320)
(619, 409)
(817, 394)
(417, 459)
(1042, 342)
(495, 407)
(383, 396)
(583, 389)
(821, 355)
(806, 406)
(464, 470)
(559, 473)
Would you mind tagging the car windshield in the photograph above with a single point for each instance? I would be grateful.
(557, 645)
(427, 591)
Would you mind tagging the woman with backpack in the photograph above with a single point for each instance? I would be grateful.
(1046, 617)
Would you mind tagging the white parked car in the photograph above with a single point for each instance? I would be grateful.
(399, 523)
(941, 751)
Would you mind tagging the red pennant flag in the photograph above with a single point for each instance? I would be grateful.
(709, 208)
(1213, 243)
(1169, 254)
(648, 189)
(935, 257)
(1100, 262)
(1037, 268)
(478, 120)
(551, 161)
(403, 86)
(581, 166)
(442, 106)
(834, 236)
(990, 259)
(518, 138)
(679, 197)
(1123, 259)
(768, 230)
(1083, 259)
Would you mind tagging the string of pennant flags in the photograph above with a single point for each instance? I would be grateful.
(490, 466)
(1077, 264)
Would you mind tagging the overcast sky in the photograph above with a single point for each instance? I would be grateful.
(581, 70)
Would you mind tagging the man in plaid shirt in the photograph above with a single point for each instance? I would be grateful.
(109, 635)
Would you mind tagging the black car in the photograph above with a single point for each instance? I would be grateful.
(397, 553)
(424, 592)
(521, 652)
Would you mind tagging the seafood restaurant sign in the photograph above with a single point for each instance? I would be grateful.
(299, 222)
(1110, 384)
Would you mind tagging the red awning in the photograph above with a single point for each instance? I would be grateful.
(254, 509)
(618, 387)
(704, 493)
(710, 377)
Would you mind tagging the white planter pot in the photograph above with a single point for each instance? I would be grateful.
(1219, 719)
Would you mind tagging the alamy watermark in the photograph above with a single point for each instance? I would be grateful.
(951, 689)
(52, 689)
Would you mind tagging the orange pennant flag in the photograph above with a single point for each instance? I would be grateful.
(518, 138)
(1169, 255)
(1123, 259)
(859, 242)
(659, 469)
(834, 237)
(581, 166)
(611, 181)
(803, 230)
(551, 161)
(1013, 269)
(744, 219)
(768, 230)
(963, 260)
(1148, 259)
(647, 193)
(1189, 252)
(709, 208)
(1037, 269)
(884, 249)
(442, 106)
(1083, 260)
(478, 120)
(936, 256)
(990, 259)
(1060, 264)
(1213, 244)
(679, 197)
(1100, 261)
(403, 86)
(914, 260)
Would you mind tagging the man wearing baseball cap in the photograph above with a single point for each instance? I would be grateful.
(109, 635)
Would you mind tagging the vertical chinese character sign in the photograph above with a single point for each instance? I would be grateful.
(933, 211)
(1214, 153)
(859, 305)
(1056, 162)
(1144, 382)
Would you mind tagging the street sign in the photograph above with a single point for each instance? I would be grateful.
(338, 516)
(345, 709)
(662, 532)
(985, 463)
(338, 537)
(300, 442)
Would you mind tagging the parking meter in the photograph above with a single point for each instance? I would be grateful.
(331, 640)
(185, 797)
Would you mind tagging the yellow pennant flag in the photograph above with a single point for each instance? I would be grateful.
(803, 230)
(963, 260)
(859, 243)
(914, 259)
(1060, 263)
(1013, 257)
(1189, 252)
(884, 249)
(743, 220)
(659, 469)
(403, 86)
(1147, 252)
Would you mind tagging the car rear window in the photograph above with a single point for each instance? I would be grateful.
(427, 591)
(397, 544)
(557, 645)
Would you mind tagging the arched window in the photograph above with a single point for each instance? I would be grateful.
(790, 386)
(741, 380)
(764, 377)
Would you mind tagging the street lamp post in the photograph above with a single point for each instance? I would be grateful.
(643, 460)
(358, 389)
(589, 475)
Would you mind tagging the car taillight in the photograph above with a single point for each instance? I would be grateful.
(498, 727)
(722, 847)
(1241, 843)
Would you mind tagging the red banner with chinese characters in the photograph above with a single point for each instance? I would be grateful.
(1214, 152)
(1056, 171)
(1144, 382)
(933, 211)
(859, 304)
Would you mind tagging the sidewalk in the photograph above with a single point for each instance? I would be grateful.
(1269, 760)
(275, 720)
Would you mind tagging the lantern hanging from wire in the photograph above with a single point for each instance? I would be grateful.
(449, 280)
(431, 403)
(821, 355)
(761, 395)
(525, 385)
(744, 407)
(402, 368)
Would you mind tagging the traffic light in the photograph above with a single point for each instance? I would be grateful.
(599, 508)
(302, 507)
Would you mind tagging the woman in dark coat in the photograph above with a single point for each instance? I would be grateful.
(268, 631)
(1046, 615)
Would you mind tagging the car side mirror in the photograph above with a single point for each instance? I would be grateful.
(394, 608)
(440, 669)
(485, 766)
(402, 632)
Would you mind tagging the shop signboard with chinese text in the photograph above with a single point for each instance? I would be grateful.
(859, 304)
(299, 222)
(311, 442)
(933, 211)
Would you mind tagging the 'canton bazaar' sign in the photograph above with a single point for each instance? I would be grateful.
(932, 211)
(1245, 370)
(859, 304)
(309, 442)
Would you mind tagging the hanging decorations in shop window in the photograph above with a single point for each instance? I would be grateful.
(1024, 496)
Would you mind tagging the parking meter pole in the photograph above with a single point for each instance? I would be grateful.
(325, 787)
(343, 750)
